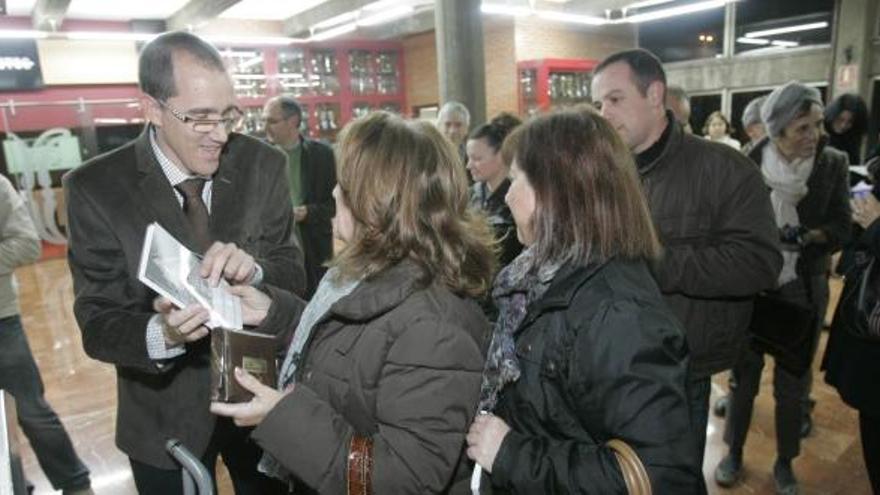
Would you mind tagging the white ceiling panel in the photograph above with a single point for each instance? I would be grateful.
(123, 10)
(268, 10)
(20, 7)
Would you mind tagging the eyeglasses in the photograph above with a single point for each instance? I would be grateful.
(204, 126)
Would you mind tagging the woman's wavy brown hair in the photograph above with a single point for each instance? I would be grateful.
(589, 203)
(407, 192)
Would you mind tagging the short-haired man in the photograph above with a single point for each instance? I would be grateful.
(752, 123)
(679, 103)
(454, 121)
(311, 172)
(712, 212)
(222, 194)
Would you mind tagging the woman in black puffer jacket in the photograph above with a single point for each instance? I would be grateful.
(852, 363)
(584, 350)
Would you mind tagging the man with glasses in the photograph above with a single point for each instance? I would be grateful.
(311, 172)
(222, 194)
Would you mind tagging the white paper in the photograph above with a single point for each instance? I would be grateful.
(476, 476)
(172, 270)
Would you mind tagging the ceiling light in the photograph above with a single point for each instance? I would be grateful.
(110, 120)
(494, 8)
(675, 11)
(783, 43)
(551, 15)
(753, 41)
(22, 33)
(334, 32)
(253, 40)
(787, 29)
(250, 63)
(383, 17)
(381, 4)
(335, 21)
(108, 36)
(647, 3)
(268, 11)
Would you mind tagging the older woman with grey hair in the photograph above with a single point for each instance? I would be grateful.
(752, 123)
(810, 197)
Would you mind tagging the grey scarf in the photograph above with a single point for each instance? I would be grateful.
(329, 290)
(516, 287)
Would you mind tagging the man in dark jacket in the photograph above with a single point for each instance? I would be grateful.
(312, 177)
(220, 193)
(712, 213)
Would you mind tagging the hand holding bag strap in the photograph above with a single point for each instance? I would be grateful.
(634, 474)
(360, 466)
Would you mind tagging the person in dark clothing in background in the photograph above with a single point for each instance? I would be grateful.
(489, 172)
(851, 361)
(810, 202)
(713, 216)
(846, 122)
(312, 177)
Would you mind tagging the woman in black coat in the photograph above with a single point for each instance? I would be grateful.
(852, 363)
(584, 350)
(846, 122)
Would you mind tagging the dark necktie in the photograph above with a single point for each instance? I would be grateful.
(196, 211)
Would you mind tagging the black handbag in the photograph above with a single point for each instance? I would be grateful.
(785, 330)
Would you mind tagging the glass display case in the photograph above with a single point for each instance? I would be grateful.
(247, 68)
(333, 82)
(325, 119)
(293, 78)
(388, 76)
(324, 72)
(551, 83)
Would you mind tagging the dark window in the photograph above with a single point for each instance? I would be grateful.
(701, 107)
(685, 37)
(738, 102)
(772, 25)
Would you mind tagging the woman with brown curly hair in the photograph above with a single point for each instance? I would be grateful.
(383, 371)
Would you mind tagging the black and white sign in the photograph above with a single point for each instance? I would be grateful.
(19, 65)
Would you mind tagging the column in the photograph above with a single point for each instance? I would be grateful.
(854, 27)
(460, 67)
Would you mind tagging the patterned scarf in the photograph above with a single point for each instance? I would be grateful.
(517, 286)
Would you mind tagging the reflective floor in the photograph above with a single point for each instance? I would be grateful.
(83, 393)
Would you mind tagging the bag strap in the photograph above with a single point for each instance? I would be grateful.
(634, 475)
(360, 466)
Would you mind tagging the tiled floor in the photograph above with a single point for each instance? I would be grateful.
(83, 393)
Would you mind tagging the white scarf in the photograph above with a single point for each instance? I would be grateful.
(788, 181)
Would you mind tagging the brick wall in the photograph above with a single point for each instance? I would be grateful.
(420, 63)
(536, 39)
(500, 58)
(505, 42)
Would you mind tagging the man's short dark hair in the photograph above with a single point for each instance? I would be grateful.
(156, 62)
(289, 108)
(645, 66)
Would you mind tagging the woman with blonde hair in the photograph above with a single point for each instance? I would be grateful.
(381, 377)
(584, 350)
